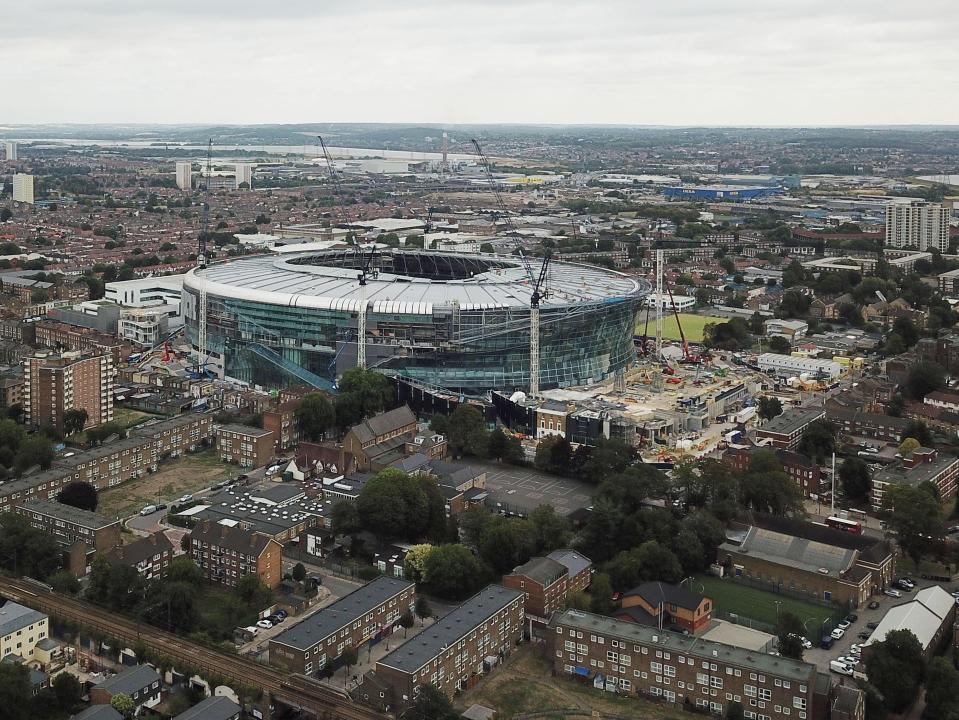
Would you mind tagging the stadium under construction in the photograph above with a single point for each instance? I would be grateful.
(454, 321)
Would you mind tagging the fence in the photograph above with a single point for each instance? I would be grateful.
(839, 609)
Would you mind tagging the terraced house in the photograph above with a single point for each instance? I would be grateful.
(631, 659)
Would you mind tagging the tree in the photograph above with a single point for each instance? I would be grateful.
(914, 516)
(361, 394)
(905, 329)
(453, 572)
(422, 608)
(789, 631)
(896, 667)
(415, 562)
(251, 590)
(778, 344)
(315, 415)
(299, 572)
(920, 431)
(908, 446)
(73, 420)
(472, 522)
(467, 433)
(550, 529)
(430, 703)
(79, 494)
(15, 691)
(6, 214)
(407, 621)
(770, 407)
(394, 505)
(345, 517)
(925, 377)
(123, 704)
(767, 488)
(506, 542)
(855, 478)
(34, 450)
(601, 594)
(818, 440)
(64, 581)
(67, 689)
(503, 446)
(25, 550)
(942, 681)
(554, 454)
(649, 561)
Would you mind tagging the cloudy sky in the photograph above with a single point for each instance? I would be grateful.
(675, 62)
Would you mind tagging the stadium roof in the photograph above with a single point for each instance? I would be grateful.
(407, 282)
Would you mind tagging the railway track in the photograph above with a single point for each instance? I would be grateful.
(321, 701)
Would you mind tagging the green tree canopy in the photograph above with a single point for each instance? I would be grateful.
(453, 572)
(79, 494)
(942, 690)
(914, 516)
(466, 432)
(896, 667)
(855, 478)
(315, 415)
(925, 377)
(818, 440)
(920, 431)
(430, 703)
(361, 393)
(767, 487)
(769, 407)
(789, 631)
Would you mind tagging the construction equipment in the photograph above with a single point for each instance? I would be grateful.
(331, 168)
(540, 291)
(202, 353)
(500, 205)
(205, 232)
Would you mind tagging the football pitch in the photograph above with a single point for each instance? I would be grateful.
(692, 325)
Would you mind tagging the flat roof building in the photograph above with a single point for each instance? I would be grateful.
(784, 431)
(23, 188)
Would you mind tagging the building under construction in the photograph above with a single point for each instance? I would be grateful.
(454, 321)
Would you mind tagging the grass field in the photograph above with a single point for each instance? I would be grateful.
(760, 605)
(692, 325)
(524, 684)
(173, 479)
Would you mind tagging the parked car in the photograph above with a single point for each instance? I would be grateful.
(849, 660)
(874, 605)
(893, 593)
(851, 618)
(855, 649)
(864, 635)
(264, 623)
(275, 619)
(806, 643)
(185, 499)
(148, 510)
(252, 630)
(837, 633)
(826, 642)
(841, 668)
(872, 625)
(161, 506)
(843, 624)
(282, 614)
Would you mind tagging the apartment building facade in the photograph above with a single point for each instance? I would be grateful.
(281, 421)
(451, 654)
(80, 533)
(115, 462)
(922, 465)
(911, 222)
(805, 472)
(244, 445)
(55, 384)
(544, 583)
(149, 556)
(69, 337)
(366, 614)
(784, 431)
(225, 554)
(21, 628)
(641, 661)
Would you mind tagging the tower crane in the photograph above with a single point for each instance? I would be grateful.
(500, 205)
(540, 291)
(202, 353)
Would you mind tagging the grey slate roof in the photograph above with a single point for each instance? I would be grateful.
(98, 712)
(140, 550)
(213, 708)
(655, 593)
(130, 680)
(320, 625)
(574, 562)
(541, 570)
(14, 616)
(445, 632)
(70, 514)
(387, 422)
(248, 542)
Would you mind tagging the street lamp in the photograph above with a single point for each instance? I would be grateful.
(778, 603)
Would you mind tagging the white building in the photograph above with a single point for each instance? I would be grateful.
(788, 365)
(23, 188)
(149, 326)
(145, 292)
(244, 174)
(917, 223)
(681, 302)
(789, 329)
(184, 175)
(11, 149)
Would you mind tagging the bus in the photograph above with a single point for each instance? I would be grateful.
(850, 526)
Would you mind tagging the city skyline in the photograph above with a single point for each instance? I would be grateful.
(616, 63)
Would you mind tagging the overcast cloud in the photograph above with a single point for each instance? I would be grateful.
(670, 62)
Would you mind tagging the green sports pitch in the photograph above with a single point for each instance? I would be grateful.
(692, 325)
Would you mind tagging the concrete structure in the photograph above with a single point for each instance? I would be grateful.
(147, 327)
(10, 147)
(21, 629)
(456, 650)
(80, 533)
(917, 224)
(23, 188)
(184, 175)
(922, 465)
(930, 616)
(544, 582)
(682, 303)
(450, 320)
(366, 614)
(79, 339)
(54, 384)
(789, 329)
(244, 174)
(789, 365)
(140, 682)
(226, 553)
(636, 660)
(666, 606)
(785, 431)
(145, 292)
(244, 445)
(149, 556)
(943, 399)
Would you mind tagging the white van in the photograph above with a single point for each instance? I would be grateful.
(148, 510)
(840, 667)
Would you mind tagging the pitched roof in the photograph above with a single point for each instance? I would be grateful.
(235, 538)
(98, 712)
(544, 571)
(140, 550)
(797, 552)
(130, 680)
(655, 593)
(574, 562)
(14, 616)
(213, 708)
(387, 422)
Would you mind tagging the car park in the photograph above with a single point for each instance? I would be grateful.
(837, 633)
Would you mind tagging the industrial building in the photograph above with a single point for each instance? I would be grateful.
(790, 365)
(451, 320)
(728, 193)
